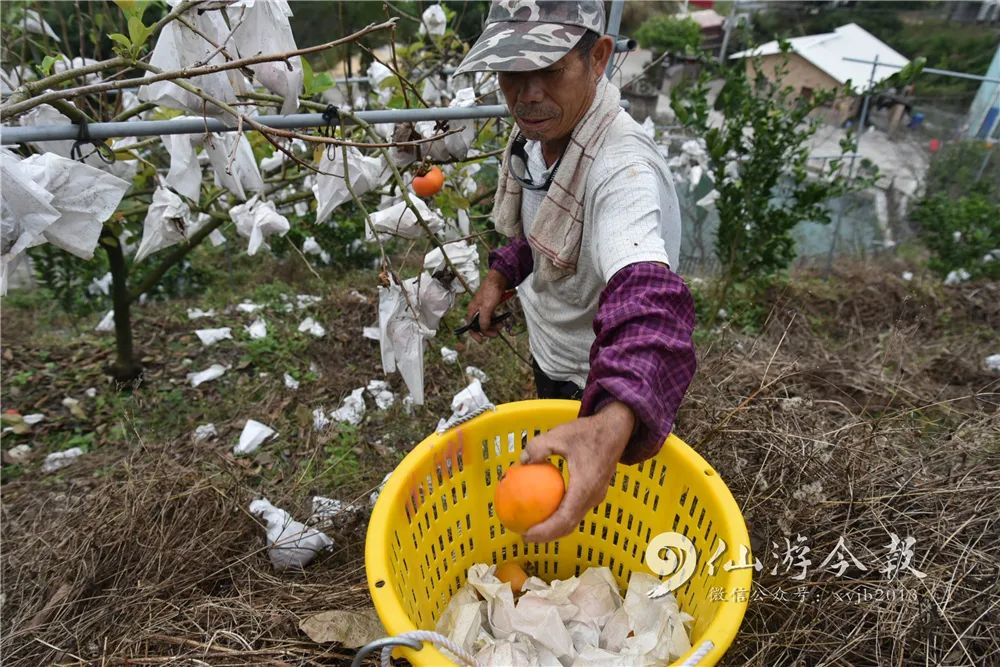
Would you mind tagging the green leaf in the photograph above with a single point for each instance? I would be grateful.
(138, 31)
(47, 62)
(121, 39)
(322, 81)
(307, 77)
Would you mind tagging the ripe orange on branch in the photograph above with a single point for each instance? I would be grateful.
(528, 494)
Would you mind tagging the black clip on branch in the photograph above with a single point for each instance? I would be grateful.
(331, 116)
(83, 138)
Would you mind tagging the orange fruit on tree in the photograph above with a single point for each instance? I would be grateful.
(528, 494)
(513, 574)
(429, 183)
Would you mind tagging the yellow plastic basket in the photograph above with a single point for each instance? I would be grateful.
(434, 519)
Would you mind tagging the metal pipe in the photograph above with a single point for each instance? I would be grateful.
(16, 135)
(614, 24)
(929, 70)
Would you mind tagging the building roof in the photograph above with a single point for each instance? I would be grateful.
(707, 19)
(827, 51)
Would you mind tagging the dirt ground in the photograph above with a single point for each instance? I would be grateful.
(862, 409)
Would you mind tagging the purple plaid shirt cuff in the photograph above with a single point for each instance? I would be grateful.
(513, 260)
(643, 355)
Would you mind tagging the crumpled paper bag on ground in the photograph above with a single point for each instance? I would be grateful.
(291, 545)
(330, 189)
(253, 436)
(263, 28)
(256, 220)
(351, 629)
(167, 222)
(578, 621)
(465, 402)
(213, 372)
(352, 410)
(179, 47)
(57, 460)
(212, 336)
(257, 330)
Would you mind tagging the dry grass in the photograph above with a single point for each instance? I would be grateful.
(860, 410)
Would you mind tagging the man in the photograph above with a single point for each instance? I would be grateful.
(590, 207)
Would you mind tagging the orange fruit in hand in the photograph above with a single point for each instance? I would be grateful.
(528, 494)
(429, 183)
(513, 574)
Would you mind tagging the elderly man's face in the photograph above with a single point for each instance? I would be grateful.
(548, 103)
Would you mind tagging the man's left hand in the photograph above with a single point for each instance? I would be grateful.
(592, 447)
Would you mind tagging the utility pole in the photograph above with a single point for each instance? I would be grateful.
(727, 29)
(850, 170)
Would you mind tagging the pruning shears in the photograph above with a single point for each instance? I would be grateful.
(473, 324)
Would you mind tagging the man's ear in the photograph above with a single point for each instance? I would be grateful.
(601, 53)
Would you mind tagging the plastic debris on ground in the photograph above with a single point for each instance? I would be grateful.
(312, 327)
(257, 330)
(18, 454)
(57, 460)
(574, 622)
(320, 420)
(213, 372)
(992, 363)
(374, 494)
(290, 382)
(107, 322)
(449, 355)
(256, 220)
(212, 336)
(198, 313)
(476, 373)
(464, 403)
(352, 410)
(379, 390)
(907, 276)
(956, 277)
(291, 545)
(33, 418)
(327, 509)
(204, 432)
(253, 436)
(248, 307)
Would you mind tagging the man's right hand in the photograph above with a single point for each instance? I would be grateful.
(485, 301)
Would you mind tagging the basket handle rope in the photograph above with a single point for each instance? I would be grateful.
(413, 640)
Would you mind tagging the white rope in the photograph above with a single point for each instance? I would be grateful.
(434, 638)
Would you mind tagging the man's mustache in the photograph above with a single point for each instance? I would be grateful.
(535, 112)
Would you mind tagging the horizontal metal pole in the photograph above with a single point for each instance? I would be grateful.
(147, 128)
(928, 70)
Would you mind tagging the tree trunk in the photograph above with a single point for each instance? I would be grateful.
(126, 367)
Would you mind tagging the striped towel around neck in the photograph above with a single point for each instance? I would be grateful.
(558, 226)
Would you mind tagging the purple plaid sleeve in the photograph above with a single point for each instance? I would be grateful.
(513, 260)
(643, 355)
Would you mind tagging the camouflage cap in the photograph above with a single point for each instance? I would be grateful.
(525, 35)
